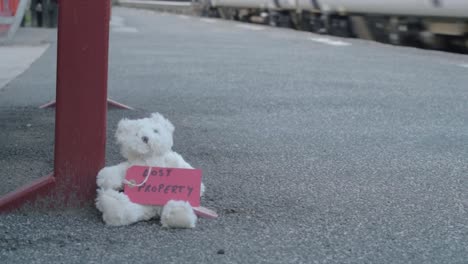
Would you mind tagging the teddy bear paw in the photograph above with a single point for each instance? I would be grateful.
(178, 214)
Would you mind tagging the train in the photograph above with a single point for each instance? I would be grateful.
(435, 24)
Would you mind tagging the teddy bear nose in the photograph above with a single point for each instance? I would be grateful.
(145, 139)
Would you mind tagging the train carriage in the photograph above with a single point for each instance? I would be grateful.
(428, 23)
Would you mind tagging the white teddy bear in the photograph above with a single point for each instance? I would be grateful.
(144, 142)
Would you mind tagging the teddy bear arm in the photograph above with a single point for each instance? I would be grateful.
(112, 177)
(175, 160)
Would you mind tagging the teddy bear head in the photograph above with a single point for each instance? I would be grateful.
(145, 137)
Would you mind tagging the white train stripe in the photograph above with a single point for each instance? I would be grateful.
(208, 20)
(251, 27)
(156, 3)
(116, 21)
(330, 41)
(117, 24)
(16, 60)
(125, 29)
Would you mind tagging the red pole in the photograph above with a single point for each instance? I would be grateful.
(80, 121)
(81, 96)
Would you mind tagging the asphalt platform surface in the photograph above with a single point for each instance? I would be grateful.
(314, 149)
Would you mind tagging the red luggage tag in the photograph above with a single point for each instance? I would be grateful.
(157, 185)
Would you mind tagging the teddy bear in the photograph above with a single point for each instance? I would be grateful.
(145, 142)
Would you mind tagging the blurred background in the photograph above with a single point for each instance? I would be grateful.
(41, 13)
(436, 24)
(328, 131)
(429, 24)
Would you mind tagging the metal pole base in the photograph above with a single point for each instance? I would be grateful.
(41, 187)
(81, 110)
(110, 102)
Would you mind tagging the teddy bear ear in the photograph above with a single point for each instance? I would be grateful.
(158, 118)
(122, 128)
(169, 125)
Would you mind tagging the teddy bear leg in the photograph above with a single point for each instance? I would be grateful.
(178, 214)
(117, 209)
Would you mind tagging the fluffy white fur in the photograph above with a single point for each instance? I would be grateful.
(146, 142)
